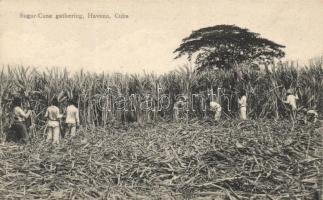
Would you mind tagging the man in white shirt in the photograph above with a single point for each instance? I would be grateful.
(53, 127)
(243, 106)
(216, 107)
(291, 102)
(72, 119)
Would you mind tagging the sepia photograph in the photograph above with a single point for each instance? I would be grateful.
(161, 99)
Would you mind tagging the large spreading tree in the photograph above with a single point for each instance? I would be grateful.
(224, 46)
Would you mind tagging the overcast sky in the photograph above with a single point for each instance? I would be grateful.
(146, 40)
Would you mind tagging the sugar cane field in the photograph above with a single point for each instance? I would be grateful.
(141, 153)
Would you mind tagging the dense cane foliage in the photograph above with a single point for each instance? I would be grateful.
(107, 98)
(254, 159)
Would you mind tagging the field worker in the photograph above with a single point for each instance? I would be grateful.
(18, 131)
(72, 118)
(291, 102)
(216, 107)
(179, 107)
(311, 116)
(243, 105)
(53, 126)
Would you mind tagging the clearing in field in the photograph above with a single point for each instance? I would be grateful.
(199, 160)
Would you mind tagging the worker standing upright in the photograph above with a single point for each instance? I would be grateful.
(243, 105)
(53, 124)
(72, 118)
(19, 131)
(291, 103)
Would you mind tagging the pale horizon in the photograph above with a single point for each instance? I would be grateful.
(146, 40)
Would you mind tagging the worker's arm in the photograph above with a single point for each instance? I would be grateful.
(286, 101)
(77, 117)
(59, 115)
(23, 113)
(46, 114)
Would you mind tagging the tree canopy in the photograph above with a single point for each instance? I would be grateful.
(223, 46)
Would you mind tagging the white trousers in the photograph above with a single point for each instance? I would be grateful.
(243, 113)
(53, 133)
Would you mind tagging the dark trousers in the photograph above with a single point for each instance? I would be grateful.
(291, 112)
(18, 133)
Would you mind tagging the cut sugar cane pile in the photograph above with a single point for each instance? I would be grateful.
(233, 160)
